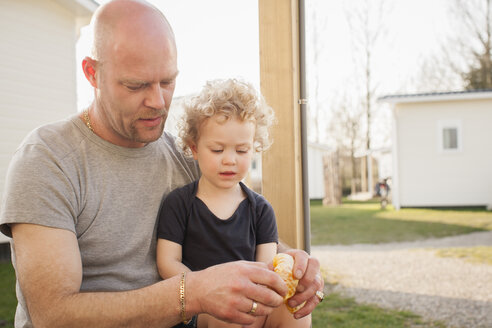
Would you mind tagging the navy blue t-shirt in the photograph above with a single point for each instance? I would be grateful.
(207, 240)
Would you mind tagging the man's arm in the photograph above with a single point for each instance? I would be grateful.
(49, 270)
(50, 275)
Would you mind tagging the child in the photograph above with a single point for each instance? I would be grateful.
(218, 219)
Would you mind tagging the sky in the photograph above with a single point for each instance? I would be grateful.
(412, 31)
(219, 38)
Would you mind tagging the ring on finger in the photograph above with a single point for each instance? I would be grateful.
(253, 308)
(320, 295)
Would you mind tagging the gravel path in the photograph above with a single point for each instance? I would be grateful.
(408, 276)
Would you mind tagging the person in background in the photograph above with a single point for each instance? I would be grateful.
(82, 196)
(218, 219)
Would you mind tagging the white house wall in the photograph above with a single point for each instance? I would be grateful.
(316, 178)
(429, 177)
(37, 70)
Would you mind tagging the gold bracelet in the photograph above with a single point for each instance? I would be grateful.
(182, 298)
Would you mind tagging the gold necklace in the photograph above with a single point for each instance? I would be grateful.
(88, 120)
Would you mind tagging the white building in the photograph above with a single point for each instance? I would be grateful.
(316, 173)
(37, 67)
(441, 150)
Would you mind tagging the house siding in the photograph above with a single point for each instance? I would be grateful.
(316, 175)
(37, 70)
(430, 177)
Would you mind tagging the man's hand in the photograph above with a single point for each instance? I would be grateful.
(307, 270)
(227, 291)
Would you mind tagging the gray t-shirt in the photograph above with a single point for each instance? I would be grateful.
(65, 176)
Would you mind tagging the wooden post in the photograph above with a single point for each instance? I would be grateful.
(279, 80)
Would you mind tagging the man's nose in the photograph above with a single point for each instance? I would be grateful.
(155, 97)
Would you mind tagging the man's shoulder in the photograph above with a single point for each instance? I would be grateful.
(185, 192)
(172, 143)
(168, 140)
(171, 146)
(55, 129)
(60, 137)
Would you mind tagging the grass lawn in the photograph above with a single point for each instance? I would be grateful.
(8, 301)
(341, 312)
(366, 222)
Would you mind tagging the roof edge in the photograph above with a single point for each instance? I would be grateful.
(79, 8)
(437, 96)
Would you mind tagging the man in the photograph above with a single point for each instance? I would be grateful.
(82, 197)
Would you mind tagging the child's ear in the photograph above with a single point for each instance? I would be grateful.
(194, 151)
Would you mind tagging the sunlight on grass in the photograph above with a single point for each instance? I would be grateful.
(471, 218)
(477, 254)
(364, 206)
(361, 222)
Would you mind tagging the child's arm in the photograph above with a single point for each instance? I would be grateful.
(169, 259)
(266, 252)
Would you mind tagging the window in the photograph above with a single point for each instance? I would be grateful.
(253, 164)
(449, 136)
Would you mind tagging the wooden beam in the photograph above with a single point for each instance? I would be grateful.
(279, 82)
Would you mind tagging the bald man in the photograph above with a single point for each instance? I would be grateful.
(82, 197)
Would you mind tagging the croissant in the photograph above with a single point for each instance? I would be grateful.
(283, 265)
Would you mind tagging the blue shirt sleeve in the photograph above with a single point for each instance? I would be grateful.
(173, 215)
(266, 224)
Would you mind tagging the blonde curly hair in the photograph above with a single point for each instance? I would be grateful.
(229, 98)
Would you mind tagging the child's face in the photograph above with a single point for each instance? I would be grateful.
(224, 151)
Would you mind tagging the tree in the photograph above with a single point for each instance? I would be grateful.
(475, 17)
(438, 72)
(367, 24)
(366, 19)
(316, 26)
(346, 130)
(465, 58)
(479, 76)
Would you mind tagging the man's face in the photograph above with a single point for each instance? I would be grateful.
(135, 86)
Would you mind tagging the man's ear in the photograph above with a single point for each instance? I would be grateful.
(89, 68)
